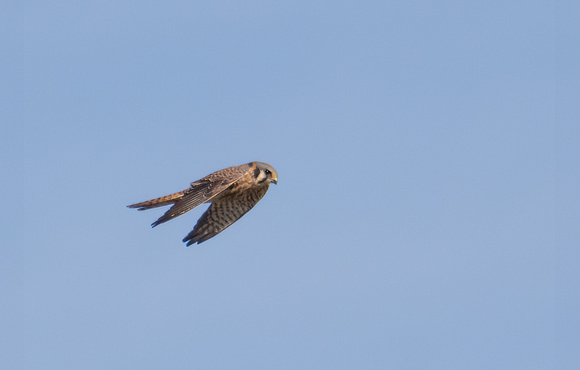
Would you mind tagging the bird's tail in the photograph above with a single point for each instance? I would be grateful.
(158, 202)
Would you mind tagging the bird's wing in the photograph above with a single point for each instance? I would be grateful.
(203, 190)
(224, 212)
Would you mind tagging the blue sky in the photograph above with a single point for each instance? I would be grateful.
(426, 214)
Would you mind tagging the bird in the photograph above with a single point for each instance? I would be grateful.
(232, 192)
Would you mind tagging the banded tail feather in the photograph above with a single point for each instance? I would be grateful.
(158, 202)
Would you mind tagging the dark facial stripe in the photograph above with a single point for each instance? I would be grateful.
(256, 173)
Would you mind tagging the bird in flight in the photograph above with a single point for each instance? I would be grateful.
(232, 192)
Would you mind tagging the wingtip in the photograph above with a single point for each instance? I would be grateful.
(189, 241)
(195, 239)
(161, 220)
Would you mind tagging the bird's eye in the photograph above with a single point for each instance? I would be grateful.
(267, 172)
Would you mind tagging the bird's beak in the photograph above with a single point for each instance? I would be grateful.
(275, 181)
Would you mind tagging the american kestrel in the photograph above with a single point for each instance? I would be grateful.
(232, 192)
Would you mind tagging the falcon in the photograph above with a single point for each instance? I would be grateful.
(232, 192)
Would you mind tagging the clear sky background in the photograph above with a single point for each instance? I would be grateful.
(426, 214)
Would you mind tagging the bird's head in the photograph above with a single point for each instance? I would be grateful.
(264, 173)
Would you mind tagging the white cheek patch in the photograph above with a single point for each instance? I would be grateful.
(261, 177)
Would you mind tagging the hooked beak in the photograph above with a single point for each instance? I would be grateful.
(275, 181)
